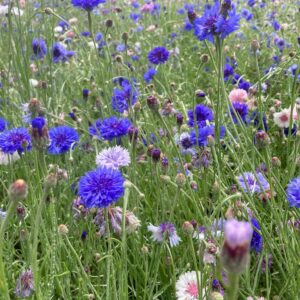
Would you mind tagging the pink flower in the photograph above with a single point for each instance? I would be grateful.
(238, 95)
(282, 118)
(147, 8)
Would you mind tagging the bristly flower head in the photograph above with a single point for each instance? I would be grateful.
(87, 5)
(253, 184)
(62, 138)
(164, 230)
(158, 55)
(187, 286)
(216, 23)
(25, 286)
(201, 113)
(113, 157)
(293, 192)
(235, 252)
(101, 187)
(113, 127)
(16, 139)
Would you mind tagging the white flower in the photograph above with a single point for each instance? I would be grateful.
(6, 159)
(187, 286)
(282, 119)
(113, 157)
(166, 230)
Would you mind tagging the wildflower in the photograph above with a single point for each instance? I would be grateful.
(238, 95)
(62, 229)
(204, 133)
(235, 251)
(113, 157)
(62, 138)
(39, 48)
(185, 143)
(187, 286)
(25, 286)
(149, 75)
(215, 23)
(253, 184)
(6, 159)
(158, 55)
(201, 113)
(293, 192)
(124, 97)
(87, 5)
(101, 187)
(3, 124)
(256, 241)
(113, 127)
(16, 139)
(239, 111)
(115, 216)
(60, 53)
(164, 230)
(155, 154)
(262, 139)
(282, 119)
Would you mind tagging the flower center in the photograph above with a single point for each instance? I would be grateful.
(192, 289)
(284, 118)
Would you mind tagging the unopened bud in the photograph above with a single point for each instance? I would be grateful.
(18, 190)
(109, 23)
(255, 45)
(63, 229)
(180, 179)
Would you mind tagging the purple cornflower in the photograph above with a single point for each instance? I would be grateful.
(239, 111)
(24, 285)
(158, 55)
(235, 251)
(253, 184)
(39, 48)
(60, 53)
(16, 139)
(216, 22)
(293, 192)
(101, 187)
(114, 127)
(113, 157)
(87, 5)
(62, 138)
(164, 230)
(201, 113)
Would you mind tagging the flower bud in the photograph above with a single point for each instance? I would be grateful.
(262, 139)
(153, 103)
(109, 23)
(188, 227)
(63, 229)
(180, 179)
(235, 252)
(255, 45)
(204, 58)
(18, 190)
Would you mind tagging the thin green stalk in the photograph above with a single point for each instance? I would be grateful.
(232, 291)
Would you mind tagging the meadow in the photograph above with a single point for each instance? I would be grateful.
(150, 149)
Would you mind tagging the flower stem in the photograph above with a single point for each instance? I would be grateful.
(232, 292)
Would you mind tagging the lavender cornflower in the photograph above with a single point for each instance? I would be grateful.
(39, 48)
(235, 251)
(253, 184)
(164, 230)
(25, 286)
(293, 192)
(113, 157)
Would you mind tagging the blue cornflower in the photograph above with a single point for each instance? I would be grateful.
(38, 123)
(101, 187)
(62, 138)
(149, 74)
(87, 5)
(257, 240)
(202, 114)
(246, 14)
(94, 129)
(228, 71)
(253, 184)
(85, 33)
(113, 127)
(244, 85)
(98, 36)
(216, 22)
(203, 133)
(280, 43)
(3, 124)
(158, 55)
(251, 3)
(293, 192)
(241, 110)
(16, 139)
(60, 53)
(39, 48)
(256, 121)
(125, 97)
